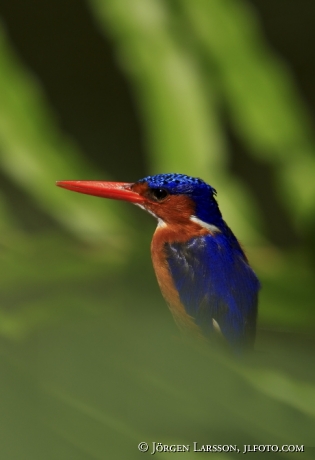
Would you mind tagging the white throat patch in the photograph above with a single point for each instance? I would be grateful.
(211, 228)
(161, 222)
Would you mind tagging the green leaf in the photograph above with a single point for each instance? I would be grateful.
(34, 153)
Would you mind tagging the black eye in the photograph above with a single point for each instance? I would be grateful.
(158, 194)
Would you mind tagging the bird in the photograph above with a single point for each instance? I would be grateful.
(201, 268)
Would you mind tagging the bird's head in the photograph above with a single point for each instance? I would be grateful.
(171, 198)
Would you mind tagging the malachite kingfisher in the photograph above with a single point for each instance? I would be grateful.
(200, 266)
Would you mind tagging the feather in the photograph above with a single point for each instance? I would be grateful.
(215, 282)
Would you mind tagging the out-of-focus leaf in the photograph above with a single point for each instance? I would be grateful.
(45, 280)
(104, 386)
(260, 95)
(35, 154)
(181, 125)
(7, 224)
(179, 112)
(286, 299)
(299, 395)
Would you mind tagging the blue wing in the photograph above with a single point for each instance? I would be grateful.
(214, 281)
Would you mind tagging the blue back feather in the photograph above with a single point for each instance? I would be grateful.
(214, 280)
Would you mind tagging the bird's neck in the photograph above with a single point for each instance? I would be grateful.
(177, 232)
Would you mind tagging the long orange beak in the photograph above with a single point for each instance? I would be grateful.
(114, 190)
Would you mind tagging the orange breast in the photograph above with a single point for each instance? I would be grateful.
(162, 235)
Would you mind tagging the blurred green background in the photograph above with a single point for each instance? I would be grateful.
(91, 363)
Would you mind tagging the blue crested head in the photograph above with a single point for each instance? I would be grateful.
(201, 193)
